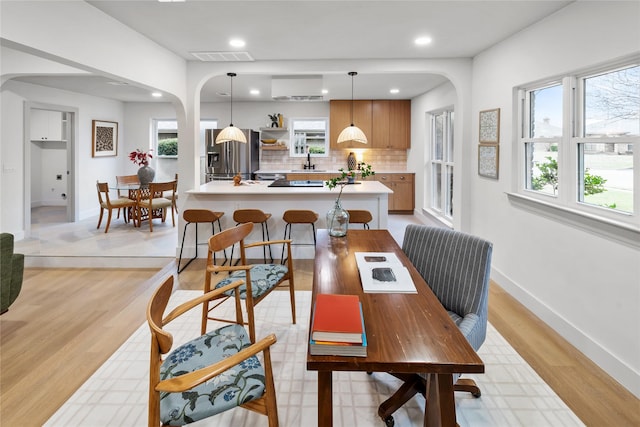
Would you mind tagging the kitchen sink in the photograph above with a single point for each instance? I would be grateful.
(307, 170)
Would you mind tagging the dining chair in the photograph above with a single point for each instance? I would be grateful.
(260, 279)
(212, 373)
(359, 216)
(456, 266)
(173, 196)
(121, 182)
(107, 204)
(155, 205)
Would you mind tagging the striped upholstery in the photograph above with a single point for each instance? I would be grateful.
(457, 267)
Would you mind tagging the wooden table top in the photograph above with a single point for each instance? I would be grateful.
(405, 332)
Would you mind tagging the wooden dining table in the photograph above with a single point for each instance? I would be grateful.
(406, 333)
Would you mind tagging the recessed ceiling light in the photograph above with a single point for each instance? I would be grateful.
(394, 91)
(254, 92)
(237, 42)
(423, 41)
(325, 91)
(156, 94)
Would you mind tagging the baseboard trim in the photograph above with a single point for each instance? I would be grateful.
(35, 261)
(613, 366)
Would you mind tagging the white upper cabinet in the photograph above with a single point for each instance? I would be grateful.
(46, 125)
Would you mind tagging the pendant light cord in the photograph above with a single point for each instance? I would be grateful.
(352, 73)
(232, 75)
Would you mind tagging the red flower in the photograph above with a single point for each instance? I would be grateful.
(140, 157)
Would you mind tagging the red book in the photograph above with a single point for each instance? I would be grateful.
(337, 318)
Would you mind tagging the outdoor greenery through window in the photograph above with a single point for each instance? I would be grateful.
(167, 134)
(578, 136)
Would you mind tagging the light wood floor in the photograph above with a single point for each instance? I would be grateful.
(67, 322)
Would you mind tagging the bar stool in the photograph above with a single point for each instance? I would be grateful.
(360, 217)
(298, 217)
(199, 216)
(256, 216)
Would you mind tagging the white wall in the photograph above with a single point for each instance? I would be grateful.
(88, 169)
(585, 286)
(444, 96)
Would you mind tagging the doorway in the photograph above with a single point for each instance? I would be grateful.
(49, 170)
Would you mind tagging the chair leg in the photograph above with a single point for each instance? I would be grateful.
(412, 385)
(468, 385)
(184, 234)
(224, 251)
(108, 221)
(286, 227)
(265, 226)
(100, 219)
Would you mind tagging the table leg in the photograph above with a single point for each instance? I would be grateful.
(325, 399)
(440, 407)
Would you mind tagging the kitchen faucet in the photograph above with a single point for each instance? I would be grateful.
(309, 165)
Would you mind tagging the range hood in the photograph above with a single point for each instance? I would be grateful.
(296, 88)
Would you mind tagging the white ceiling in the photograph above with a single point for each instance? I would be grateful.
(315, 30)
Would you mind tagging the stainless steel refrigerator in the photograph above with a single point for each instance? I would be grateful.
(226, 160)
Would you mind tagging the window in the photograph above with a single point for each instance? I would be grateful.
(166, 138)
(441, 163)
(579, 138)
(165, 146)
(308, 135)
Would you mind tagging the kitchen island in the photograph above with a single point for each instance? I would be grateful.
(223, 196)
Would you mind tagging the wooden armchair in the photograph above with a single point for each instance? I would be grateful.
(213, 373)
(109, 205)
(126, 180)
(260, 279)
(151, 202)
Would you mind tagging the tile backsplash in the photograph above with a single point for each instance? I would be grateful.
(380, 160)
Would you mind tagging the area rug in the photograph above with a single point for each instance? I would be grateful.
(116, 395)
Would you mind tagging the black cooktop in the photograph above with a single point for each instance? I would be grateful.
(297, 183)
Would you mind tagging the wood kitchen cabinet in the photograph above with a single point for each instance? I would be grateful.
(340, 118)
(46, 125)
(403, 185)
(386, 123)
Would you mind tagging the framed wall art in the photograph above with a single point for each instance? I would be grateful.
(105, 138)
(490, 126)
(488, 160)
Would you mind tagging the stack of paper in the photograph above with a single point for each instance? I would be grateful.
(382, 272)
(337, 328)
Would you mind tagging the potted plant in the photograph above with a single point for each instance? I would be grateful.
(141, 158)
(338, 218)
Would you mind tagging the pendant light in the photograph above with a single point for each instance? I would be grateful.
(352, 133)
(231, 133)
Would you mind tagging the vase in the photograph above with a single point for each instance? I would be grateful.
(337, 220)
(351, 161)
(146, 175)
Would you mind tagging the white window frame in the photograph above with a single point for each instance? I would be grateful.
(445, 190)
(565, 205)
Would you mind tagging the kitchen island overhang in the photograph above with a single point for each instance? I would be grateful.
(223, 196)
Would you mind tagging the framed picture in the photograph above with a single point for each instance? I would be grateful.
(490, 126)
(105, 138)
(488, 160)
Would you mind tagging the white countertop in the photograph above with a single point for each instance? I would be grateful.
(288, 171)
(262, 188)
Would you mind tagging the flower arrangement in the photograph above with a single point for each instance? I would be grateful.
(140, 158)
(348, 176)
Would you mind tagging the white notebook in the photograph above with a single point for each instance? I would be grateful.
(382, 272)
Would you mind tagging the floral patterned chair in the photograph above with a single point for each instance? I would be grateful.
(260, 279)
(213, 373)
